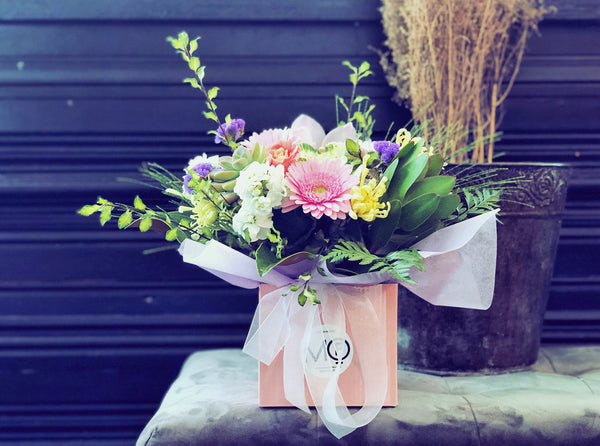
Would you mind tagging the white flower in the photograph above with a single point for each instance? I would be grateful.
(250, 182)
(260, 188)
(259, 206)
(204, 158)
(252, 226)
(261, 180)
(276, 185)
(310, 131)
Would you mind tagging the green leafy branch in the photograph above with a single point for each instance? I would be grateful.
(307, 293)
(143, 217)
(397, 263)
(362, 116)
(186, 48)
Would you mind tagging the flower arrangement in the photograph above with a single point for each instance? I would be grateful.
(335, 219)
(299, 194)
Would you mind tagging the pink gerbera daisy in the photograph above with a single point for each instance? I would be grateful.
(321, 187)
(280, 145)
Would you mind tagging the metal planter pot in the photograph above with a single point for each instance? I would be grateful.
(506, 337)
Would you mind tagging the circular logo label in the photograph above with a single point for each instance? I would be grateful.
(329, 347)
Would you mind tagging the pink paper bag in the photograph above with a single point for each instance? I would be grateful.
(337, 346)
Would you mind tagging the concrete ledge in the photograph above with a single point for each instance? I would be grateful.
(557, 402)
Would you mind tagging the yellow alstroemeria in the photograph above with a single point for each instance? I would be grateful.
(364, 198)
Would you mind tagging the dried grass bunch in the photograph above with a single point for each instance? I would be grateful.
(454, 62)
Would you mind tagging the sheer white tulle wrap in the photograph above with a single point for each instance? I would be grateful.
(460, 264)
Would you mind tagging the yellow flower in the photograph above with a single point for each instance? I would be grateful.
(204, 213)
(403, 137)
(365, 198)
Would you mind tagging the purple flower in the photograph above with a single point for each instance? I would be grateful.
(387, 150)
(232, 131)
(202, 169)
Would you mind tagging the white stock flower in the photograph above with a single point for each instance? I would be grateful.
(261, 180)
(260, 188)
(276, 186)
(252, 226)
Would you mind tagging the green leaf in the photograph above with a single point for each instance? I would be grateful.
(194, 45)
(418, 211)
(409, 152)
(364, 67)
(210, 115)
(183, 38)
(200, 72)
(436, 162)
(212, 93)
(181, 236)
(389, 171)
(404, 177)
(302, 298)
(145, 224)
(171, 234)
(192, 81)
(88, 210)
(448, 205)
(342, 103)
(308, 148)
(176, 43)
(359, 118)
(347, 63)
(312, 295)
(105, 214)
(441, 185)
(305, 276)
(382, 228)
(125, 219)
(138, 203)
(194, 64)
(266, 260)
(352, 147)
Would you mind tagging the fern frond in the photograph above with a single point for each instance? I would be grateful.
(475, 202)
(397, 263)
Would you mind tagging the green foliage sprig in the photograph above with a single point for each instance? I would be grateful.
(475, 203)
(397, 263)
(186, 47)
(179, 227)
(361, 117)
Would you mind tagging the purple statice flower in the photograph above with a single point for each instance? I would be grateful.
(387, 150)
(202, 169)
(232, 131)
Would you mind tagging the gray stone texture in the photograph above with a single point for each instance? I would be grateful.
(214, 401)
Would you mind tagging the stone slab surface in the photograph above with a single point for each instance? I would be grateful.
(557, 402)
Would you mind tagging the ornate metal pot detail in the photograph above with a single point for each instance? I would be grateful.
(506, 337)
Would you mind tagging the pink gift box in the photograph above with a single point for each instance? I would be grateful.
(385, 304)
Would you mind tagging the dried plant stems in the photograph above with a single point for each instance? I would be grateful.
(454, 62)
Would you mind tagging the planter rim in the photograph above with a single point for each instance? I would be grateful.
(514, 163)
